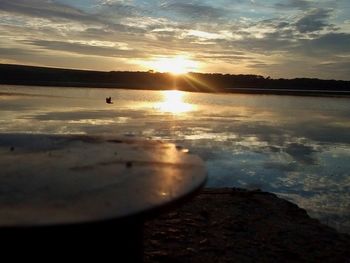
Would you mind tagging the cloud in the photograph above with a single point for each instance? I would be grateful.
(86, 49)
(120, 12)
(60, 15)
(194, 11)
(298, 4)
(336, 69)
(45, 9)
(314, 20)
(9, 52)
(282, 25)
(327, 53)
(332, 42)
(217, 33)
(266, 45)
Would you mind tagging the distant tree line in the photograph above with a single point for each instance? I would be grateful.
(29, 75)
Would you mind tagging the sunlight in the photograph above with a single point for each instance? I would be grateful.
(173, 102)
(175, 65)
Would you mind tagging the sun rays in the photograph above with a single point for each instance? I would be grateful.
(182, 73)
(175, 65)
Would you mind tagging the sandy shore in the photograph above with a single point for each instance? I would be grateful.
(235, 225)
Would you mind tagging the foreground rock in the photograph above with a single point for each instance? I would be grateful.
(234, 225)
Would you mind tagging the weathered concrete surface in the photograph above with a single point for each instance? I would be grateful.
(234, 225)
(56, 180)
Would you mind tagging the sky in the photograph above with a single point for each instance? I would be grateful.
(277, 38)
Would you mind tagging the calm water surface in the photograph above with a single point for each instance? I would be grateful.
(296, 147)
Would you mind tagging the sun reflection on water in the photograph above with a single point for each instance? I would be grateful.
(174, 102)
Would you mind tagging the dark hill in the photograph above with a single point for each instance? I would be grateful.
(43, 76)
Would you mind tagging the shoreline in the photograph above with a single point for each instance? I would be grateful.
(239, 90)
(237, 225)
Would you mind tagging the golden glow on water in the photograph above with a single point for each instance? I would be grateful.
(174, 102)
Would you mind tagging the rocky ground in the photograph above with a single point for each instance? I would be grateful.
(235, 225)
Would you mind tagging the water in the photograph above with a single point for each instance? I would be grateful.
(296, 147)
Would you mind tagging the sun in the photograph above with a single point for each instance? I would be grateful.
(175, 65)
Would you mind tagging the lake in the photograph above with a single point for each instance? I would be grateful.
(296, 147)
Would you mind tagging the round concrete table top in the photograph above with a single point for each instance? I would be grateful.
(52, 179)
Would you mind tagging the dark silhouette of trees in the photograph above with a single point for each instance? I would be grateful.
(215, 82)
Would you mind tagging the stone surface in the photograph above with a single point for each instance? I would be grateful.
(234, 225)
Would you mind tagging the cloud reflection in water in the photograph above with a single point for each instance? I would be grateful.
(293, 146)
